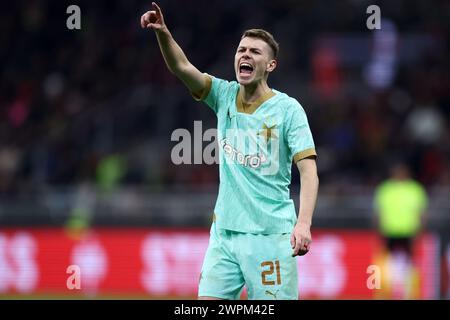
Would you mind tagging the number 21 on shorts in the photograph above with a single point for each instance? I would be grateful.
(269, 268)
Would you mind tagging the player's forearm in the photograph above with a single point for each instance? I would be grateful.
(308, 196)
(173, 55)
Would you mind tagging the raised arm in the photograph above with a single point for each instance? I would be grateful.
(301, 236)
(174, 56)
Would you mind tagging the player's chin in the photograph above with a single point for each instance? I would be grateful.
(244, 79)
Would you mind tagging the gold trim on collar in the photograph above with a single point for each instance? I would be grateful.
(250, 108)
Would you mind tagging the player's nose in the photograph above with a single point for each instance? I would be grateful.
(246, 54)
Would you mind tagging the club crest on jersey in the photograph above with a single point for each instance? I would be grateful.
(268, 132)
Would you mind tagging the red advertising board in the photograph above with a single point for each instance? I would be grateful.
(159, 262)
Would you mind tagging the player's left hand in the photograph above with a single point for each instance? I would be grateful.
(301, 239)
(153, 19)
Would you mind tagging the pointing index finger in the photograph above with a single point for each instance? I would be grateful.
(157, 8)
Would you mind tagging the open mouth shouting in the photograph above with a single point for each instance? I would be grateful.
(245, 69)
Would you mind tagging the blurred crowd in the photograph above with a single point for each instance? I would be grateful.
(98, 104)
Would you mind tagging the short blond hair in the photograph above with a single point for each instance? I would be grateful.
(265, 36)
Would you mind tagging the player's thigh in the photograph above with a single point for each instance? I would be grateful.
(221, 276)
(269, 269)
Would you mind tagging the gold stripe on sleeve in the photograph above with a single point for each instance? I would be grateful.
(201, 95)
(305, 154)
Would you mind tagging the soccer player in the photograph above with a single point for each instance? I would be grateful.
(255, 234)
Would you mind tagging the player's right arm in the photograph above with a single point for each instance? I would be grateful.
(174, 56)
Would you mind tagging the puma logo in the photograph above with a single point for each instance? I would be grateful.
(270, 293)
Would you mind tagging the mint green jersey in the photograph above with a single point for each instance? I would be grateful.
(256, 150)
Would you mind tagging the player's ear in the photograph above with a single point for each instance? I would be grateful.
(271, 65)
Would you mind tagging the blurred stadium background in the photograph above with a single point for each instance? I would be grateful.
(86, 118)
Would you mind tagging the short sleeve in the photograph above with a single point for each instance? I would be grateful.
(215, 89)
(298, 134)
(201, 95)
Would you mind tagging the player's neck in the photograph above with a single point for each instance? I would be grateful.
(252, 92)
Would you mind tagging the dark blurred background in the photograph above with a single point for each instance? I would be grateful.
(96, 107)
(86, 116)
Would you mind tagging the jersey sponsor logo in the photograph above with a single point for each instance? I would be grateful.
(253, 161)
(255, 149)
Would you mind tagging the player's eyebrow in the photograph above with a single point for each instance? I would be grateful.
(251, 48)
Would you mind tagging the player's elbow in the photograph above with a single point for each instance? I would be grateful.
(180, 69)
(174, 69)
